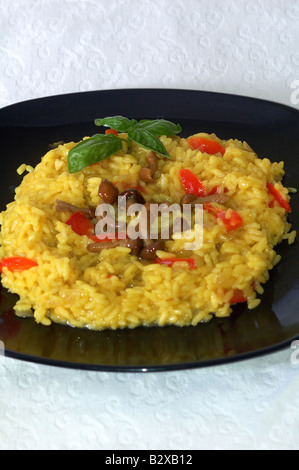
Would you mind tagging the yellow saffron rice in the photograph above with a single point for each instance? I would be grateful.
(113, 289)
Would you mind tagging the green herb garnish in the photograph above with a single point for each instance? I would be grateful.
(101, 146)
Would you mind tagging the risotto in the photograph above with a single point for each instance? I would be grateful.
(63, 272)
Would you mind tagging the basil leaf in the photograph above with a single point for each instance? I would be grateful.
(93, 150)
(100, 146)
(118, 123)
(148, 140)
(160, 127)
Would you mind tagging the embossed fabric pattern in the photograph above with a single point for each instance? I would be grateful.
(53, 46)
(50, 47)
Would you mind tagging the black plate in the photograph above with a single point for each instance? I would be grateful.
(27, 131)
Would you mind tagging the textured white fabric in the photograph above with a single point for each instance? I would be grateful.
(50, 47)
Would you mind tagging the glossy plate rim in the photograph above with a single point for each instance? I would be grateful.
(242, 356)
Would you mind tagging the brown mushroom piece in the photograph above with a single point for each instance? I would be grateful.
(147, 172)
(108, 192)
(63, 206)
(134, 245)
(146, 175)
(193, 199)
(188, 199)
(152, 160)
(133, 194)
(149, 252)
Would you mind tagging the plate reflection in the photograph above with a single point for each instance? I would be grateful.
(141, 348)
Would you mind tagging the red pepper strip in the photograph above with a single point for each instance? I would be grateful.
(81, 224)
(111, 131)
(141, 189)
(234, 222)
(17, 263)
(206, 145)
(191, 183)
(213, 191)
(94, 164)
(279, 197)
(171, 261)
(238, 297)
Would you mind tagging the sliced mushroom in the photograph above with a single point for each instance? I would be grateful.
(130, 202)
(132, 194)
(152, 160)
(219, 198)
(149, 252)
(151, 246)
(146, 175)
(193, 199)
(188, 199)
(108, 192)
(147, 172)
(63, 206)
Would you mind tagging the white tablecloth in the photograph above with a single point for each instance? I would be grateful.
(49, 47)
